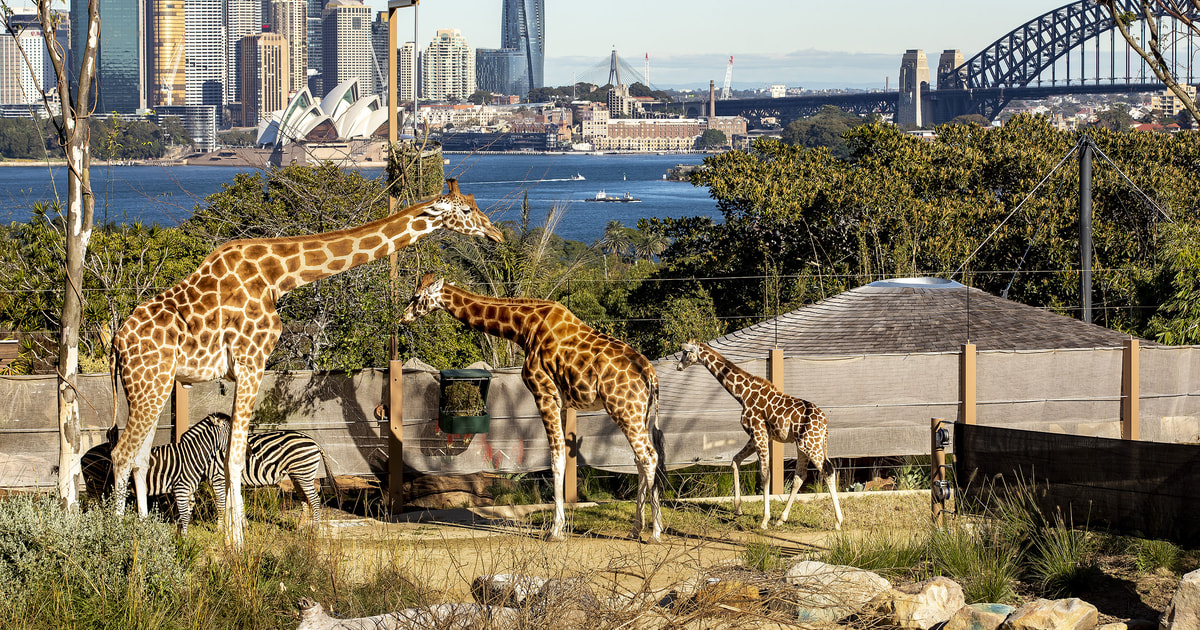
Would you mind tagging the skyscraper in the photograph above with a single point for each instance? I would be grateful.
(242, 18)
(316, 9)
(408, 82)
(289, 18)
(501, 71)
(265, 76)
(346, 35)
(448, 67)
(120, 57)
(165, 46)
(524, 29)
(206, 52)
(22, 82)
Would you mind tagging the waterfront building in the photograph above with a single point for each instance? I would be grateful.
(265, 76)
(593, 120)
(778, 90)
(346, 41)
(243, 18)
(731, 126)
(165, 48)
(120, 57)
(199, 120)
(649, 134)
(289, 18)
(524, 30)
(205, 52)
(448, 67)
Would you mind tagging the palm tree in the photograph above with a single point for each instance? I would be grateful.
(614, 241)
(649, 243)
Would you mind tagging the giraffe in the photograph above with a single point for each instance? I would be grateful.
(767, 414)
(221, 322)
(567, 363)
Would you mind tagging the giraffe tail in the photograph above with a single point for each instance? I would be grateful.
(656, 435)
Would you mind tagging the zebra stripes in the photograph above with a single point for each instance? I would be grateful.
(199, 456)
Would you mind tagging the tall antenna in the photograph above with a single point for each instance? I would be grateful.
(726, 93)
(647, 77)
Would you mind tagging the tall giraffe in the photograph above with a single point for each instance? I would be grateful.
(568, 363)
(768, 414)
(221, 322)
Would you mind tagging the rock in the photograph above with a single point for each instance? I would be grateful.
(727, 595)
(979, 617)
(449, 616)
(1184, 611)
(1059, 614)
(1132, 624)
(824, 593)
(505, 589)
(922, 605)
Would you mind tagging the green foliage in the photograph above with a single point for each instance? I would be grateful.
(237, 138)
(1115, 118)
(1153, 555)
(1060, 559)
(987, 565)
(27, 139)
(462, 398)
(889, 552)
(712, 139)
(118, 138)
(762, 556)
(480, 97)
(826, 128)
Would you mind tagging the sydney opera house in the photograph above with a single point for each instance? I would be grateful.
(340, 126)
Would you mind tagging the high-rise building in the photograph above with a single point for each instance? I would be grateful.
(501, 71)
(524, 30)
(265, 76)
(120, 56)
(316, 9)
(206, 52)
(290, 19)
(165, 48)
(407, 71)
(242, 18)
(379, 51)
(24, 76)
(346, 35)
(447, 67)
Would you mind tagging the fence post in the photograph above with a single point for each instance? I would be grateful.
(395, 408)
(570, 473)
(179, 410)
(775, 450)
(937, 473)
(1130, 392)
(966, 384)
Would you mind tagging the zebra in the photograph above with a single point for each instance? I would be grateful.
(270, 456)
(178, 468)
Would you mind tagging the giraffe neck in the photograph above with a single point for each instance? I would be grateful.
(306, 259)
(501, 317)
(726, 372)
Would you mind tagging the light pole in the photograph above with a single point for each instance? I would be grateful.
(393, 7)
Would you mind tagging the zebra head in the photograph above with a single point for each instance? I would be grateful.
(213, 430)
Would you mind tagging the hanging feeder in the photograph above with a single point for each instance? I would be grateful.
(462, 401)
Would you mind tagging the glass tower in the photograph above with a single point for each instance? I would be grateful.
(120, 60)
(524, 29)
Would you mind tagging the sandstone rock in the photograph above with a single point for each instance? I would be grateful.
(922, 605)
(1184, 611)
(979, 617)
(505, 589)
(447, 616)
(1132, 624)
(825, 593)
(1059, 614)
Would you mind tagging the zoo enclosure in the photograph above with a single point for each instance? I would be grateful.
(878, 405)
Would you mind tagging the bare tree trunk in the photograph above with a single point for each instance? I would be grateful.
(74, 135)
(1183, 11)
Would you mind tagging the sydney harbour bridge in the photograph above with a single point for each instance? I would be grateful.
(1074, 49)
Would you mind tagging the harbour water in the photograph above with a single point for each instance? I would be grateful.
(167, 195)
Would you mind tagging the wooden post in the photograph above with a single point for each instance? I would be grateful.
(775, 374)
(571, 473)
(937, 471)
(179, 410)
(966, 384)
(395, 409)
(1130, 391)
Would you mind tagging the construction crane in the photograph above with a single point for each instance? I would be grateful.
(726, 93)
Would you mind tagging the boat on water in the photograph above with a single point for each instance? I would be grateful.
(578, 177)
(626, 198)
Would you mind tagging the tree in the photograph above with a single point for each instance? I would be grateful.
(824, 129)
(1115, 118)
(74, 135)
(480, 97)
(970, 119)
(1152, 52)
(712, 139)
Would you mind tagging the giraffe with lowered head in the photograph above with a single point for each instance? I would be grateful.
(221, 322)
(567, 363)
(769, 414)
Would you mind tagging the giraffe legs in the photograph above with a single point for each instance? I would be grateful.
(762, 444)
(545, 394)
(646, 487)
(249, 378)
(798, 472)
(829, 475)
(737, 476)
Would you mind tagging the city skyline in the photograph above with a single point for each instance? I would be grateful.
(805, 43)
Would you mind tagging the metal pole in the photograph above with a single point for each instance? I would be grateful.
(1085, 227)
(416, 91)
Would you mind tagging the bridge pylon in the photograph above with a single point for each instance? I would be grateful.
(913, 107)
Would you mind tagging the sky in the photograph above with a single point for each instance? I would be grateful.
(800, 43)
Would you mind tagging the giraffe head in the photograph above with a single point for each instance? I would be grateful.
(458, 212)
(428, 298)
(691, 355)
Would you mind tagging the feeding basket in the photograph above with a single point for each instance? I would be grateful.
(462, 401)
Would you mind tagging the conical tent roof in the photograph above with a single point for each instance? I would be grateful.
(911, 315)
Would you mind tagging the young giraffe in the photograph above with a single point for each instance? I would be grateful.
(221, 322)
(566, 363)
(767, 414)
